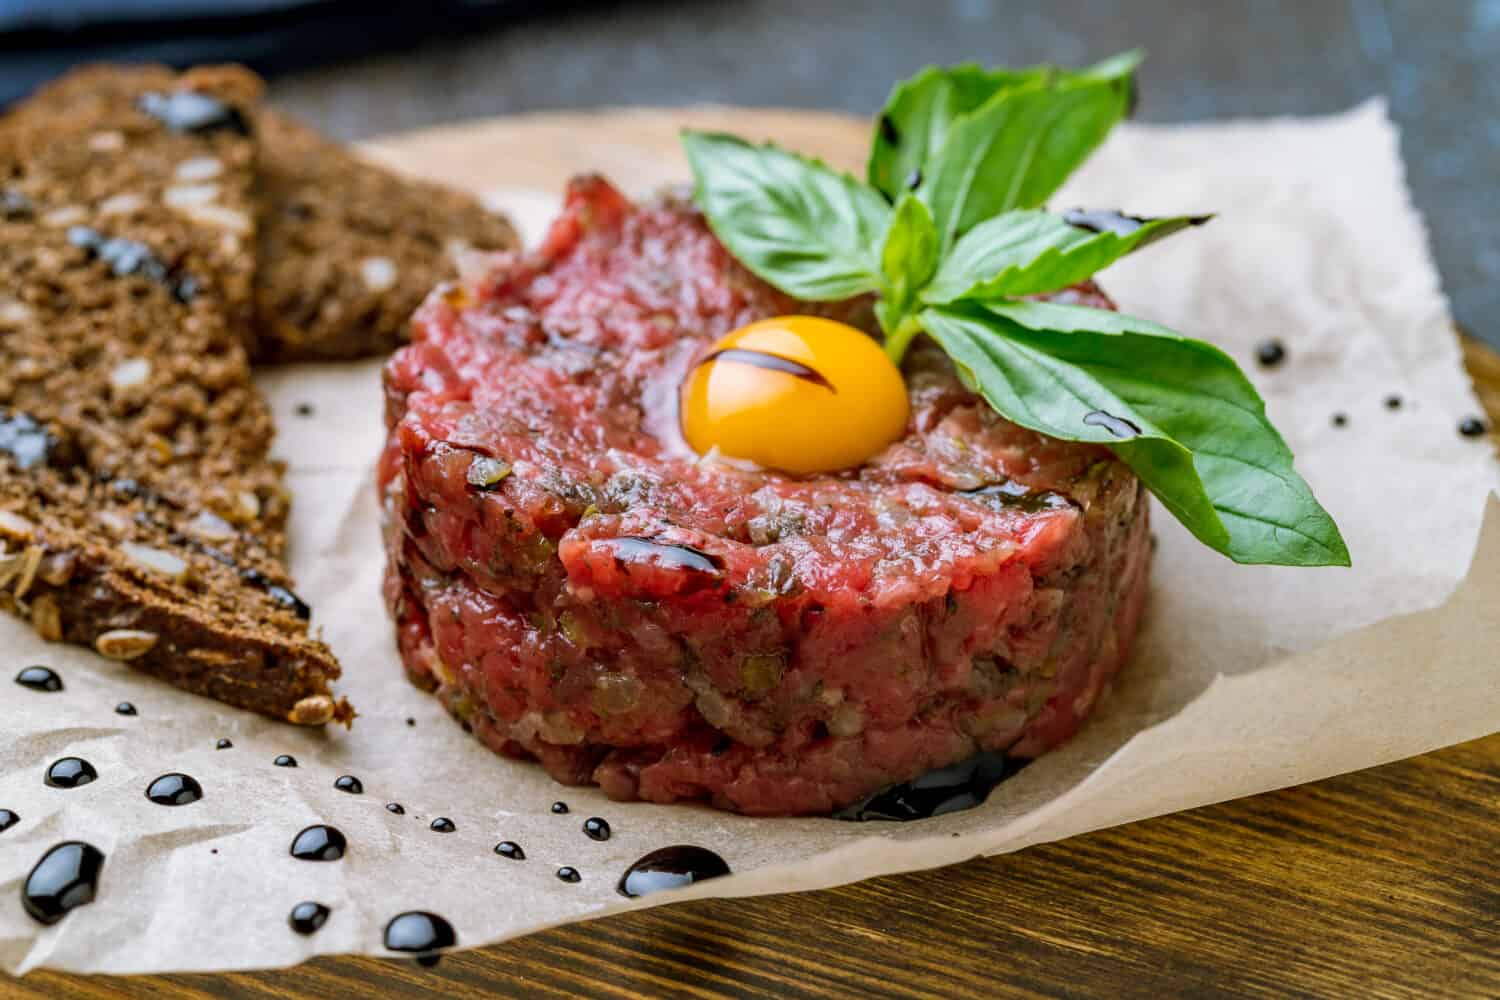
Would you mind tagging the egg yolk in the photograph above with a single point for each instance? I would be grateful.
(797, 393)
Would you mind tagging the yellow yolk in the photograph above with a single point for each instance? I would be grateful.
(797, 393)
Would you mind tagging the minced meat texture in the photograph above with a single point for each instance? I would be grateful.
(598, 597)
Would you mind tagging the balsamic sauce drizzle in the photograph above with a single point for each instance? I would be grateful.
(770, 362)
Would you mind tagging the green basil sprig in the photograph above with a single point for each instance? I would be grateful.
(949, 233)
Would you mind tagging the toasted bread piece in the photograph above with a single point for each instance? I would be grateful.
(347, 249)
(140, 511)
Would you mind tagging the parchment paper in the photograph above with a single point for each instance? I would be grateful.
(1245, 679)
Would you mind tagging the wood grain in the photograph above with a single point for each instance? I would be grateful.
(1375, 884)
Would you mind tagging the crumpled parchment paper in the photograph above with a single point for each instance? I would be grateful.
(1244, 680)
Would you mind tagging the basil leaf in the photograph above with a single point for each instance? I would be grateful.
(917, 115)
(1178, 411)
(811, 231)
(907, 260)
(1029, 252)
(1018, 147)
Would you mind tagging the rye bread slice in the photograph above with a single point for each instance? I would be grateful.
(140, 511)
(347, 249)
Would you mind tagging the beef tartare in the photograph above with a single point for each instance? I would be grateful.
(581, 588)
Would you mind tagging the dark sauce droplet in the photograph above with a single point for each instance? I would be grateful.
(174, 789)
(568, 873)
(1393, 402)
(319, 842)
(1117, 426)
(14, 205)
(410, 721)
(190, 111)
(285, 760)
(596, 828)
(395, 807)
(304, 409)
(223, 744)
(39, 679)
(66, 878)
(127, 257)
(125, 708)
(8, 819)
(307, 917)
(1340, 420)
(1119, 223)
(1471, 427)
(1270, 353)
(664, 554)
(1018, 496)
(510, 849)
(349, 783)
(671, 868)
(70, 772)
(25, 440)
(443, 825)
(770, 362)
(419, 933)
(559, 808)
(948, 789)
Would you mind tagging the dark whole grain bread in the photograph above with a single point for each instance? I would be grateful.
(140, 511)
(347, 249)
(344, 250)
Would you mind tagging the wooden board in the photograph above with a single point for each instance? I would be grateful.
(1380, 883)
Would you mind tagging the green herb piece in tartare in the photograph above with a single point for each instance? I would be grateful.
(950, 233)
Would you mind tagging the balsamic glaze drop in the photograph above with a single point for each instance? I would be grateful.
(1018, 496)
(1271, 353)
(596, 828)
(174, 789)
(190, 111)
(1117, 426)
(1393, 402)
(8, 819)
(410, 721)
(70, 772)
(39, 679)
(15, 205)
(569, 874)
(421, 934)
(66, 878)
(671, 868)
(223, 744)
(127, 257)
(558, 808)
(304, 410)
(308, 916)
(25, 440)
(948, 789)
(319, 842)
(395, 807)
(349, 783)
(510, 849)
(1471, 427)
(125, 708)
(771, 362)
(631, 549)
(443, 825)
(285, 760)
(1340, 420)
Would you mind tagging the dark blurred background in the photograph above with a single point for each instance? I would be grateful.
(357, 69)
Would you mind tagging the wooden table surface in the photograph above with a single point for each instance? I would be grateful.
(1381, 883)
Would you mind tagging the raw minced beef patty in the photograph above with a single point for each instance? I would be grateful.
(579, 588)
